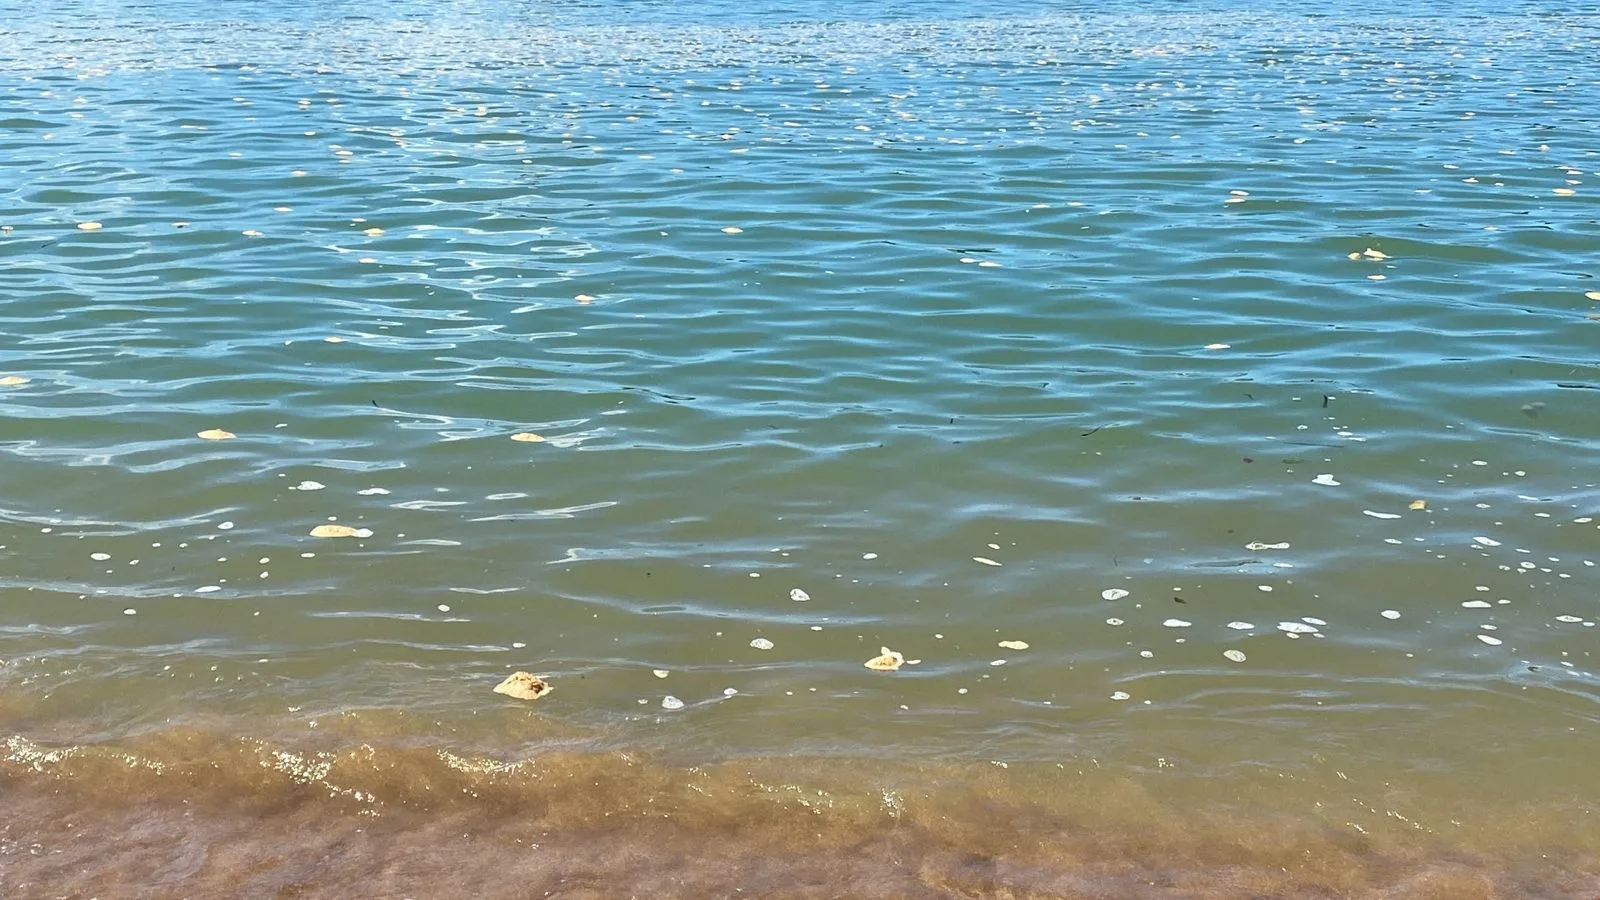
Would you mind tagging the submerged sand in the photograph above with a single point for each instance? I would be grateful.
(359, 808)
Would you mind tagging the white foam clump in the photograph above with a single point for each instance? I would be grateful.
(1113, 594)
(799, 596)
(1296, 628)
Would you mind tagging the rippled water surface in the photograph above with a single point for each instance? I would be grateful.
(1203, 399)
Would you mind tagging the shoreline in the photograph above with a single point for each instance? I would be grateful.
(350, 811)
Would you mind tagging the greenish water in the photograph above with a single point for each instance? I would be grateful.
(962, 322)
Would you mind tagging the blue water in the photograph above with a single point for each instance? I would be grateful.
(1238, 359)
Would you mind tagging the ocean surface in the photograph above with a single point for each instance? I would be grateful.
(1201, 399)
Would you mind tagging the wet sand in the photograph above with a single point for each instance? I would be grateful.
(357, 808)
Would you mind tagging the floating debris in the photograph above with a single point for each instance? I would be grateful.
(1241, 626)
(1258, 545)
(799, 596)
(1218, 346)
(985, 560)
(1487, 542)
(1113, 594)
(372, 491)
(671, 702)
(660, 673)
(1569, 619)
(12, 380)
(216, 434)
(528, 437)
(1476, 604)
(1014, 645)
(1370, 253)
(733, 229)
(1491, 641)
(1592, 295)
(1418, 504)
(373, 232)
(89, 226)
(340, 531)
(1296, 628)
(1121, 695)
(251, 232)
(584, 298)
(1234, 655)
(1177, 623)
(887, 661)
(308, 486)
(1390, 614)
(761, 644)
(1327, 480)
(523, 686)
(1380, 515)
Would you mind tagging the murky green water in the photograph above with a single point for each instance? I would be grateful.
(1241, 363)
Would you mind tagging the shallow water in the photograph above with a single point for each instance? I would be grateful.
(959, 322)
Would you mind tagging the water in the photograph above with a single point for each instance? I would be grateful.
(954, 319)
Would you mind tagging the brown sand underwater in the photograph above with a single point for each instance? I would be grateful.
(374, 805)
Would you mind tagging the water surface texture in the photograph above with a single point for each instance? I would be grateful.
(1202, 398)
